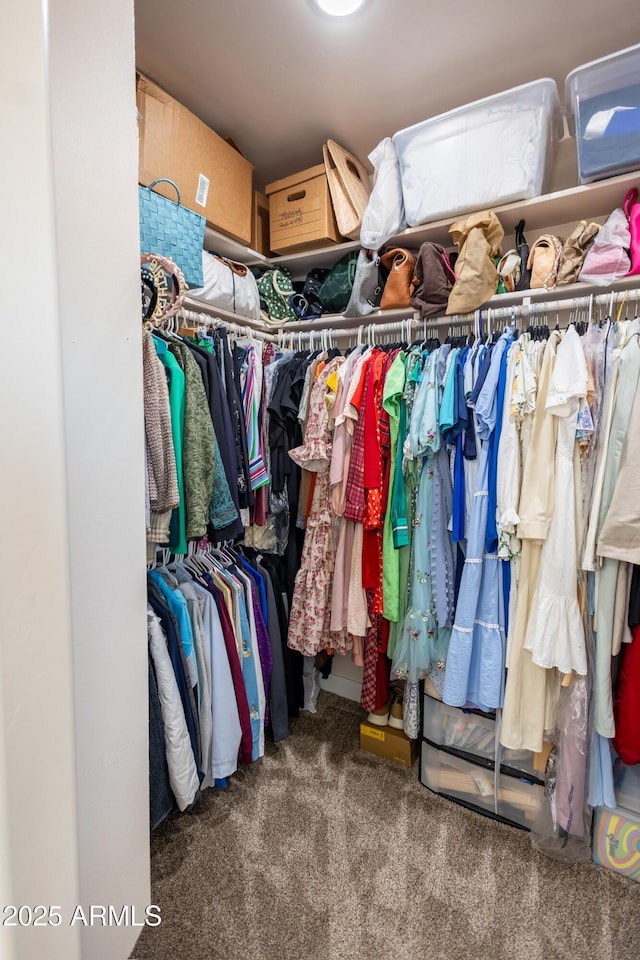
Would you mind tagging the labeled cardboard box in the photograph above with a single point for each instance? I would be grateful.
(260, 225)
(213, 178)
(301, 213)
(616, 841)
(388, 742)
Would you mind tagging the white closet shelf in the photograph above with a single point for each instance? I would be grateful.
(569, 291)
(216, 242)
(578, 203)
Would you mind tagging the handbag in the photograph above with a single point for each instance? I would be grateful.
(575, 250)
(229, 286)
(398, 289)
(523, 249)
(544, 261)
(478, 238)
(306, 301)
(276, 290)
(508, 268)
(608, 259)
(336, 289)
(349, 188)
(434, 278)
(631, 208)
(171, 230)
(368, 285)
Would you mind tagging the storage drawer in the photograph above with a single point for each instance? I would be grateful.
(452, 727)
(518, 801)
(473, 733)
(626, 781)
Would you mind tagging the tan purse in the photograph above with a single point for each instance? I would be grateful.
(575, 250)
(349, 187)
(544, 261)
(478, 238)
(398, 290)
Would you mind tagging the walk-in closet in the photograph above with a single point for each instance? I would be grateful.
(320, 603)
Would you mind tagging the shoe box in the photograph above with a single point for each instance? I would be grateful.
(388, 742)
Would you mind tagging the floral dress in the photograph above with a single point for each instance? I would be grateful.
(310, 618)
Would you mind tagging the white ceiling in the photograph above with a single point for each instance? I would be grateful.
(279, 78)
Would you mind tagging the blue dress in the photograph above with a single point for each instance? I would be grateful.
(475, 662)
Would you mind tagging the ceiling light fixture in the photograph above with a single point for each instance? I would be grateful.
(339, 8)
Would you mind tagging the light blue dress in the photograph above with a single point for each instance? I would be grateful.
(420, 641)
(475, 662)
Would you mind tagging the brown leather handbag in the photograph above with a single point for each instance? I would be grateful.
(398, 289)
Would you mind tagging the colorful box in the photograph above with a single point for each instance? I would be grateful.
(616, 842)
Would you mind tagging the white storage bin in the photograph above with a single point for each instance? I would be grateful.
(518, 801)
(603, 98)
(480, 155)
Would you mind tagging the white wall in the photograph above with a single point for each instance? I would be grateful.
(73, 663)
(37, 796)
(94, 132)
(345, 678)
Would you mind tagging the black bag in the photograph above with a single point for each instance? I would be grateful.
(522, 247)
(306, 300)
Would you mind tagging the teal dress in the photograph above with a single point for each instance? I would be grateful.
(178, 528)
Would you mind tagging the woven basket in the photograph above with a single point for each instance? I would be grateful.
(171, 230)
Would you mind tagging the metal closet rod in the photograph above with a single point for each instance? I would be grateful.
(540, 307)
(363, 332)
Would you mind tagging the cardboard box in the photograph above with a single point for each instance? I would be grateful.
(388, 742)
(616, 841)
(260, 224)
(213, 178)
(301, 213)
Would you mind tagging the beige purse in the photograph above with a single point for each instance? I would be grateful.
(575, 250)
(544, 261)
(478, 238)
(349, 187)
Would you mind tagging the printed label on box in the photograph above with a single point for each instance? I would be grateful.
(203, 190)
(374, 734)
(483, 784)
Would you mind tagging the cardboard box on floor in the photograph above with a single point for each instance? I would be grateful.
(301, 213)
(388, 742)
(213, 178)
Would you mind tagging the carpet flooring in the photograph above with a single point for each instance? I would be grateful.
(324, 852)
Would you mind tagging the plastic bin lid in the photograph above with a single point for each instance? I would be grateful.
(615, 67)
(493, 98)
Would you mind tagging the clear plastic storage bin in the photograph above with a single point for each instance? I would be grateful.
(472, 733)
(519, 801)
(626, 781)
(486, 153)
(603, 98)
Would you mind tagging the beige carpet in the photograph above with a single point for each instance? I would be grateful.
(324, 852)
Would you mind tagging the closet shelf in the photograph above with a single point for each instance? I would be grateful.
(224, 246)
(589, 201)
